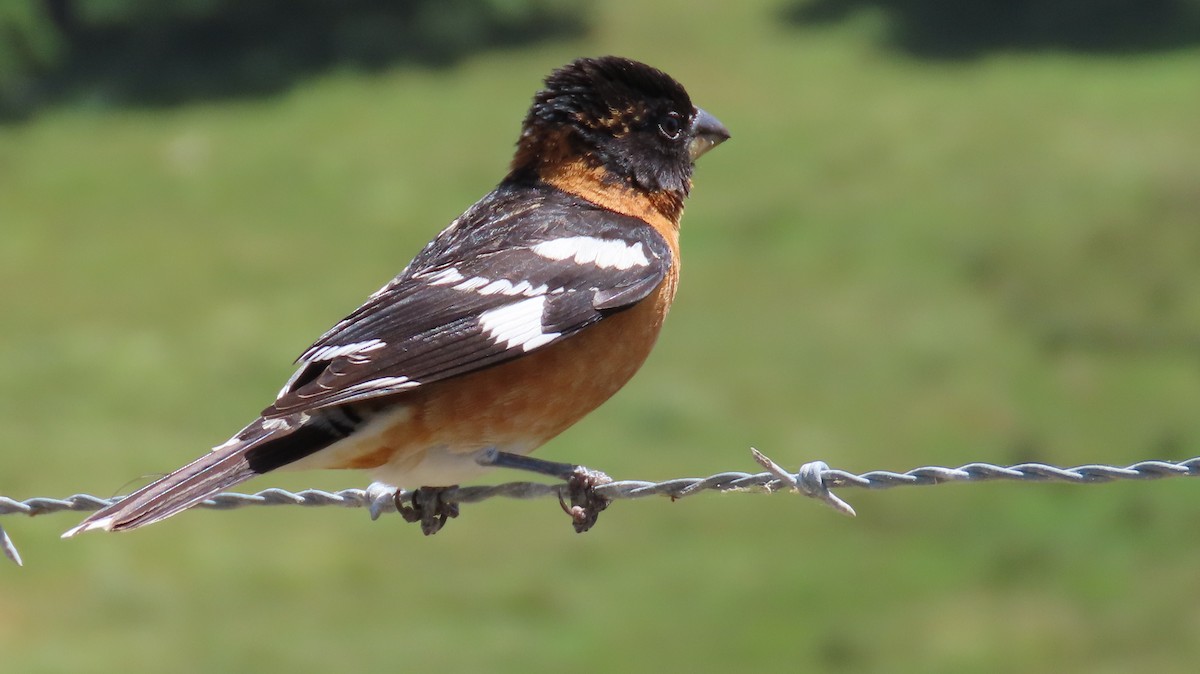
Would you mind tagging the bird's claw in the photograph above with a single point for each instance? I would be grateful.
(586, 504)
(426, 505)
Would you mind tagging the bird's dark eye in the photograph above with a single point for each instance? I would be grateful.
(671, 126)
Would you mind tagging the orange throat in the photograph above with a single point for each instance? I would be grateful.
(553, 159)
(661, 210)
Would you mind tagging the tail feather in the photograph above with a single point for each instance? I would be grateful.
(220, 469)
(182, 489)
(261, 446)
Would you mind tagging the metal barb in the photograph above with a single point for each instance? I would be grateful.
(10, 550)
(809, 481)
(815, 480)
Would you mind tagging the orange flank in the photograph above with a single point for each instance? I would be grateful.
(522, 403)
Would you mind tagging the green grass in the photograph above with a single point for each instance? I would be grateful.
(893, 263)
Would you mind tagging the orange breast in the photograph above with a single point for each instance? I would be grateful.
(535, 397)
(526, 401)
(523, 403)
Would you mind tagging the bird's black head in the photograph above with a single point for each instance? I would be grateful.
(632, 120)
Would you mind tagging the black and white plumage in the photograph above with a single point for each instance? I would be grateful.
(489, 288)
(526, 313)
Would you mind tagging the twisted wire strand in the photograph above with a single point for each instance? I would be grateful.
(815, 480)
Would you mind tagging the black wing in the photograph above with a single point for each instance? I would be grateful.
(522, 269)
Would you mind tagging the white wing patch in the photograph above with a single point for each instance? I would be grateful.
(473, 283)
(394, 383)
(506, 287)
(280, 424)
(486, 286)
(518, 324)
(354, 350)
(445, 277)
(604, 253)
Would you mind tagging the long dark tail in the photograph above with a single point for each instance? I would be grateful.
(260, 447)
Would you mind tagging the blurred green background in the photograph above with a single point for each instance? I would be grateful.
(943, 232)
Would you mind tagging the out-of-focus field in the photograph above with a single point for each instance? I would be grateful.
(893, 263)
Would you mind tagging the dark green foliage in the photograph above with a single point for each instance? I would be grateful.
(149, 52)
(953, 28)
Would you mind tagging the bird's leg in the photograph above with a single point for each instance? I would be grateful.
(427, 507)
(586, 504)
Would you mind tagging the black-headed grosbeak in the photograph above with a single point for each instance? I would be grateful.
(527, 312)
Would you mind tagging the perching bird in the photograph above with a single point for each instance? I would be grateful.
(526, 313)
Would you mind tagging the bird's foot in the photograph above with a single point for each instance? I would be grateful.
(426, 505)
(586, 505)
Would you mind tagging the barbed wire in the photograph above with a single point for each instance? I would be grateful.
(815, 480)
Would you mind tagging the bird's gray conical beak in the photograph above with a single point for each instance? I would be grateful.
(707, 133)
